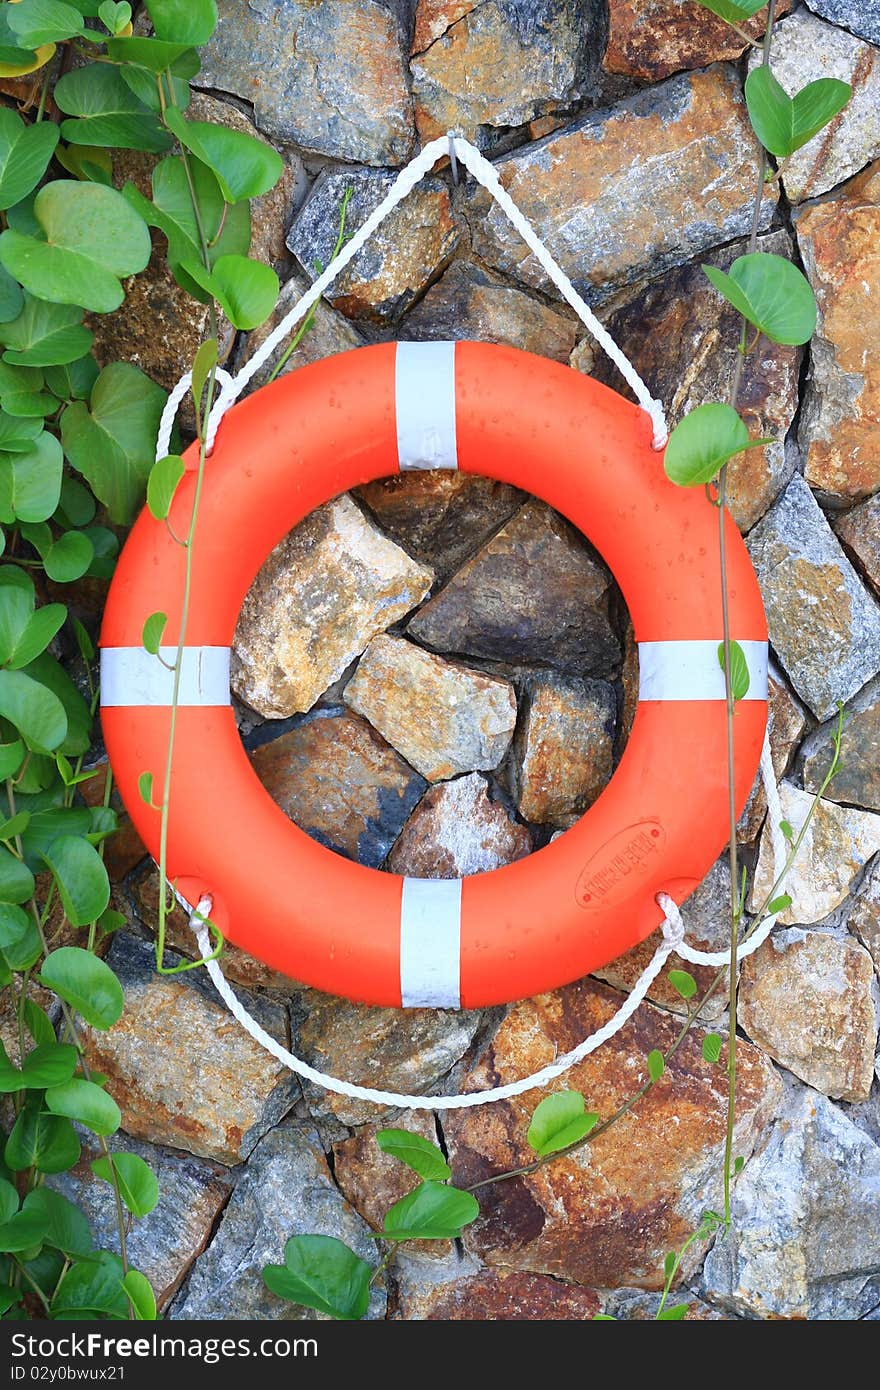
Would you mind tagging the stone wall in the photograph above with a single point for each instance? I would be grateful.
(436, 675)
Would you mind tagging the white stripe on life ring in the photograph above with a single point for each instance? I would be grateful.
(132, 676)
(430, 943)
(424, 385)
(692, 671)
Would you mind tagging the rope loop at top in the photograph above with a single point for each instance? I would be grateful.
(459, 151)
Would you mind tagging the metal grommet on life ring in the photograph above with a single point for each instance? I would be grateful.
(568, 908)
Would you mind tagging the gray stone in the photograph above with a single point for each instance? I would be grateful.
(689, 158)
(401, 259)
(838, 843)
(863, 919)
(536, 592)
(859, 530)
(806, 998)
(330, 78)
(341, 783)
(456, 830)
(634, 1305)
(858, 779)
(804, 49)
(442, 717)
(182, 1071)
(481, 67)
(286, 1190)
(328, 333)
(861, 17)
(164, 1243)
(805, 1231)
(786, 721)
(565, 745)
(330, 586)
(406, 1050)
(469, 302)
(824, 626)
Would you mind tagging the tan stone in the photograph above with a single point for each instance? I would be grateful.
(330, 586)
(859, 531)
(456, 830)
(372, 1181)
(683, 338)
(838, 843)
(786, 722)
(565, 745)
(441, 716)
(653, 38)
(644, 185)
(181, 1069)
(341, 783)
(864, 915)
(605, 1215)
(840, 424)
(805, 998)
(438, 515)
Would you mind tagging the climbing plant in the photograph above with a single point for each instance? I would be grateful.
(77, 445)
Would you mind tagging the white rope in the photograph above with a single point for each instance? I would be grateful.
(673, 941)
(406, 180)
(172, 405)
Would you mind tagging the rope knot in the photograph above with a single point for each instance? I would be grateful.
(673, 923)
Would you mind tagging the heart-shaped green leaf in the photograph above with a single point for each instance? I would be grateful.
(45, 1142)
(45, 335)
(559, 1120)
(183, 21)
(82, 880)
(86, 1103)
(321, 1272)
(17, 886)
(246, 290)
(103, 110)
(93, 239)
(84, 981)
(36, 22)
(66, 1227)
(38, 632)
(771, 294)
(138, 1186)
(114, 15)
(155, 55)
(92, 1288)
(163, 482)
(23, 1231)
(733, 11)
(432, 1211)
(112, 441)
(703, 441)
(140, 1291)
(51, 1064)
(783, 123)
(739, 674)
(11, 297)
(683, 982)
(36, 712)
(30, 481)
(25, 151)
(245, 166)
(417, 1153)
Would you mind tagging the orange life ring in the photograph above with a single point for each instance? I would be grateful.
(535, 924)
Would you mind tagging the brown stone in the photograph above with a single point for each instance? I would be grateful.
(652, 39)
(857, 781)
(124, 849)
(341, 783)
(328, 333)
(181, 1069)
(629, 679)
(683, 338)
(824, 626)
(535, 592)
(605, 1215)
(456, 830)
(438, 515)
(806, 999)
(805, 49)
(786, 721)
(864, 914)
(859, 531)
(838, 843)
(565, 744)
(330, 586)
(236, 964)
(403, 256)
(469, 302)
(164, 1243)
(372, 1181)
(441, 716)
(497, 1295)
(404, 1050)
(706, 915)
(840, 422)
(501, 63)
(639, 187)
